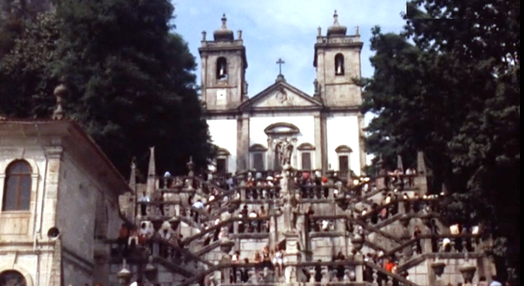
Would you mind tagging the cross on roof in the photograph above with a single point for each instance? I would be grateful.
(280, 62)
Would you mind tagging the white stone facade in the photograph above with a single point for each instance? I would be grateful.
(74, 188)
(329, 120)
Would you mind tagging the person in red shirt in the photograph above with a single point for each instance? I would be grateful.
(389, 265)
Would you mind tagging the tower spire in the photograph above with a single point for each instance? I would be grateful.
(132, 176)
(151, 172)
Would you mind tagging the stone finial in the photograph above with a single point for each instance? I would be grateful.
(239, 34)
(151, 172)
(319, 31)
(204, 36)
(224, 20)
(400, 166)
(335, 18)
(60, 92)
(421, 165)
(191, 166)
(356, 31)
(132, 176)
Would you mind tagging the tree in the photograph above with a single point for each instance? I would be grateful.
(25, 72)
(450, 85)
(15, 17)
(130, 82)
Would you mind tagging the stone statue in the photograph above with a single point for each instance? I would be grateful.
(288, 215)
(284, 150)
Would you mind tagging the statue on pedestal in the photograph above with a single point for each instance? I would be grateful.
(284, 149)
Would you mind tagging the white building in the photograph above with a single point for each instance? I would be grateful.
(326, 128)
(59, 202)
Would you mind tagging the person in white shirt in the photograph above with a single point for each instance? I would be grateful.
(143, 207)
(198, 205)
(325, 225)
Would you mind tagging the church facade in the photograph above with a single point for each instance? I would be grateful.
(325, 129)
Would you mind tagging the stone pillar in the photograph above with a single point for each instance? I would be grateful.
(54, 155)
(362, 146)
(243, 143)
(318, 141)
(324, 145)
(291, 256)
(421, 180)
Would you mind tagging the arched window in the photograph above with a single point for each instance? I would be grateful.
(11, 277)
(17, 187)
(221, 68)
(339, 64)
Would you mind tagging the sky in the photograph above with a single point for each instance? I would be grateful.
(287, 29)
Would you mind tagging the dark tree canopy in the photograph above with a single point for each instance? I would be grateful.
(449, 85)
(130, 81)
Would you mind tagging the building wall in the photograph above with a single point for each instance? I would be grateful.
(305, 124)
(339, 90)
(343, 130)
(96, 214)
(232, 85)
(224, 135)
(65, 190)
(19, 230)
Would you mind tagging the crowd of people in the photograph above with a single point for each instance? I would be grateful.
(220, 191)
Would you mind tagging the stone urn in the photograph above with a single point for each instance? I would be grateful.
(226, 245)
(174, 222)
(404, 220)
(342, 202)
(150, 271)
(124, 275)
(438, 268)
(157, 224)
(468, 271)
(358, 242)
(425, 218)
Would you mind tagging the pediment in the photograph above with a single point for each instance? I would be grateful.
(280, 96)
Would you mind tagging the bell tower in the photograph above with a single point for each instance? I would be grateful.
(224, 66)
(337, 61)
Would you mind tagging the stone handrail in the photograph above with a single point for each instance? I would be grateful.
(429, 236)
(392, 275)
(220, 225)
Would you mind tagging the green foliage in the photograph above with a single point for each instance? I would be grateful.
(130, 82)
(26, 73)
(449, 85)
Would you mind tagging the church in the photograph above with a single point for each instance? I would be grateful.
(325, 129)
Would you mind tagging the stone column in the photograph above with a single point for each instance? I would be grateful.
(291, 256)
(318, 142)
(362, 146)
(243, 143)
(54, 155)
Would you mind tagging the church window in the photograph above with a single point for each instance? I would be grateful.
(258, 153)
(221, 161)
(221, 166)
(344, 153)
(11, 277)
(17, 188)
(339, 64)
(306, 160)
(306, 155)
(343, 163)
(221, 68)
(258, 161)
